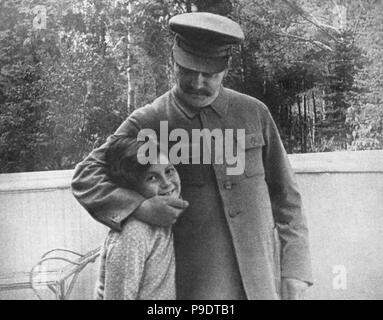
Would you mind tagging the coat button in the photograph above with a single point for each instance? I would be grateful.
(227, 185)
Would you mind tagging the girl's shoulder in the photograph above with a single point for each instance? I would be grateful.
(140, 231)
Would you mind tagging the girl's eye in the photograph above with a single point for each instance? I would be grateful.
(151, 178)
(170, 170)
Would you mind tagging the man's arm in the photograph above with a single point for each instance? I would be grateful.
(105, 201)
(287, 210)
(110, 204)
(293, 289)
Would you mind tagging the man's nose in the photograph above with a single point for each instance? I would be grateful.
(198, 80)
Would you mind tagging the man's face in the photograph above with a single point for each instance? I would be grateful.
(198, 89)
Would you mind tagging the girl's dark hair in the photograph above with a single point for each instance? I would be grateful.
(122, 163)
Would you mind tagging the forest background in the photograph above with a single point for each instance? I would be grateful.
(72, 70)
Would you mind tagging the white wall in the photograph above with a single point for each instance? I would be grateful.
(343, 199)
(38, 213)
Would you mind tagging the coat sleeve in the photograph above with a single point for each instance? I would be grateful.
(286, 205)
(105, 201)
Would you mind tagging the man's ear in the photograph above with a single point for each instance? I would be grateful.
(172, 57)
(228, 67)
(229, 63)
(172, 60)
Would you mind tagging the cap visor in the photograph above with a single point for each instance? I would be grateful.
(197, 63)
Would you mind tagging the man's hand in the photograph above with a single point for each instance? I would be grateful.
(293, 289)
(160, 210)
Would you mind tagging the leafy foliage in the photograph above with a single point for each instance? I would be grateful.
(65, 87)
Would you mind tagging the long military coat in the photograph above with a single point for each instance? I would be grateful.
(246, 228)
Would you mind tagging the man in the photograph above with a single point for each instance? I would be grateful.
(240, 236)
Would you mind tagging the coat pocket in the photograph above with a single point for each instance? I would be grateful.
(253, 154)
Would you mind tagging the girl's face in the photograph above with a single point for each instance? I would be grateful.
(160, 179)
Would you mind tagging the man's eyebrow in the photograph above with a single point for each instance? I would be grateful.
(205, 74)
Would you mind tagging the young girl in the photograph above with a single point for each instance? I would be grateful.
(138, 262)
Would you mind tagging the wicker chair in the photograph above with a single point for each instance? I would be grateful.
(47, 274)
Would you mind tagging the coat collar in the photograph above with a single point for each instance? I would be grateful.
(219, 105)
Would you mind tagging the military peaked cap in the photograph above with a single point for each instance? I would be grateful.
(204, 40)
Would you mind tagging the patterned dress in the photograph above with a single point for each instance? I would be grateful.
(137, 264)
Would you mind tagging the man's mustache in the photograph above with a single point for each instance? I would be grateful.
(199, 92)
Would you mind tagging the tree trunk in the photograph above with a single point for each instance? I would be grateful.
(304, 123)
(188, 6)
(290, 126)
(130, 102)
(243, 65)
(300, 121)
(314, 120)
